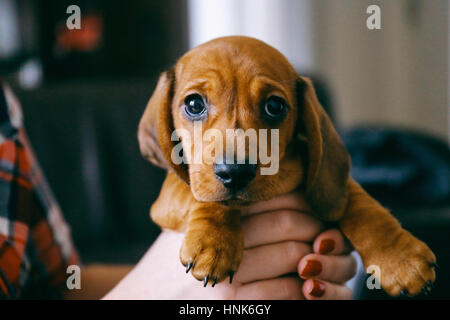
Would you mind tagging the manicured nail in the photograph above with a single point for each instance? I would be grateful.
(326, 246)
(311, 269)
(318, 289)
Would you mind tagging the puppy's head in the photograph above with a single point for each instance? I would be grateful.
(235, 122)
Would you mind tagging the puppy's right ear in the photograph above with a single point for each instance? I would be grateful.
(328, 161)
(156, 127)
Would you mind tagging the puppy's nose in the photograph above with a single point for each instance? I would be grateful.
(235, 176)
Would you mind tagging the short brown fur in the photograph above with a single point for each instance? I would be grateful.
(236, 74)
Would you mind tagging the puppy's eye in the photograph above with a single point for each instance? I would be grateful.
(195, 106)
(274, 107)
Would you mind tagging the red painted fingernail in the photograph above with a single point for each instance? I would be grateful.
(326, 246)
(318, 289)
(311, 269)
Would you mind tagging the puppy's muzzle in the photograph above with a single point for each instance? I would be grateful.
(235, 176)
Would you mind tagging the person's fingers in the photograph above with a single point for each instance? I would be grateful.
(287, 288)
(332, 242)
(271, 261)
(314, 289)
(279, 226)
(289, 201)
(335, 269)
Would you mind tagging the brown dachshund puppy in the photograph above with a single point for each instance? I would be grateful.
(243, 83)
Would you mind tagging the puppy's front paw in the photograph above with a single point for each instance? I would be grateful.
(213, 254)
(407, 266)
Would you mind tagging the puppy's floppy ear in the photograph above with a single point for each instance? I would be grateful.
(156, 127)
(328, 162)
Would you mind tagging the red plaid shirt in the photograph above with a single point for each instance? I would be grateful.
(35, 241)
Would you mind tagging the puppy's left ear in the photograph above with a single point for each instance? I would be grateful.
(328, 162)
(156, 127)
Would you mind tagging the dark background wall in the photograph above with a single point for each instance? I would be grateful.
(82, 120)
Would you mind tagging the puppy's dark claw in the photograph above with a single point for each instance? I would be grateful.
(404, 293)
(189, 266)
(426, 289)
(231, 273)
(206, 281)
(214, 282)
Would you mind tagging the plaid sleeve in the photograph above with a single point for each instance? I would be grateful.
(35, 241)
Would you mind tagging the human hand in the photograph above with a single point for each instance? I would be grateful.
(323, 270)
(277, 234)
